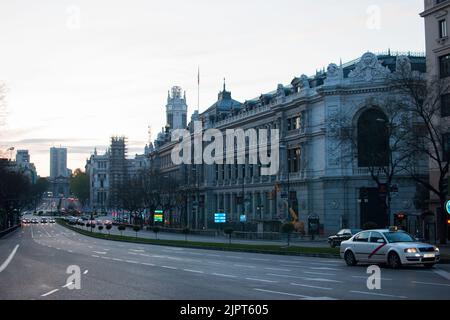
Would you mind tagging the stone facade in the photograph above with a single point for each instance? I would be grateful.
(313, 178)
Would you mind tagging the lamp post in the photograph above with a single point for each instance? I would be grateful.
(387, 128)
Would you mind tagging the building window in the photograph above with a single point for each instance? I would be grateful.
(446, 146)
(294, 160)
(444, 66)
(443, 29)
(445, 105)
(373, 139)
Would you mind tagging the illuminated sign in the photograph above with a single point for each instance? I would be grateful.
(220, 217)
(243, 218)
(447, 207)
(159, 216)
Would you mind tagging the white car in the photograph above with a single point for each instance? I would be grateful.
(390, 246)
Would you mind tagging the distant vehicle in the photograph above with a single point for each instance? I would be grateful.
(343, 235)
(51, 221)
(107, 222)
(390, 246)
(34, 221)
(25, 221)
(99, 223)
(44, 220)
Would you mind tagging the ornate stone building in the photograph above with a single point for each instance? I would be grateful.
(318, 177)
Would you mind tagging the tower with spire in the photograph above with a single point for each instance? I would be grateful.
(176, 109)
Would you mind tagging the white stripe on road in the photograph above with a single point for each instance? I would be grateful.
(49, 293)
(432, 284)
(363, 277)
(379, 294)
(167, 267)
(131, 261)
(116, 259)
(86, 272)
(67, 285)
(277, 269)
(442, 273)
(320, 273)
(8, 260)
(99, 252)
(224, 275)
(148, 264)
(308, 286)
(244, 266)
(283, 293)
(193, 271)
(261, 280)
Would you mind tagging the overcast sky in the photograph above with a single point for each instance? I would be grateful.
(80, 71)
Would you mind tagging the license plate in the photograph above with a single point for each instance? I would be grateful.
(429, 255)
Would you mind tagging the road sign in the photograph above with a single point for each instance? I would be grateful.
(220, 218)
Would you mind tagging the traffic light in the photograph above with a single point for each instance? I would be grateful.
(448, 222)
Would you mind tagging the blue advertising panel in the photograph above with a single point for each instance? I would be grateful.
(220, 217)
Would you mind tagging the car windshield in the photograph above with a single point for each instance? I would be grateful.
(394, 237)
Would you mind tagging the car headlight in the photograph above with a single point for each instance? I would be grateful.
(436, 249)
(411, 250)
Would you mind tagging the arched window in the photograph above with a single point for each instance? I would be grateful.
(373, 139)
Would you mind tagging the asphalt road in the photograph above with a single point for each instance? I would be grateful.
(34, 260)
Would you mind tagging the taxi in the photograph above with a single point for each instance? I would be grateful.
(388, 246)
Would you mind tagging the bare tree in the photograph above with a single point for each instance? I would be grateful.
(429, 136)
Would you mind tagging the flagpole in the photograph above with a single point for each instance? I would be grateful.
(198, 91)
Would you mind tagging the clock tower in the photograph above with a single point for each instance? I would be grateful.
(176, 109)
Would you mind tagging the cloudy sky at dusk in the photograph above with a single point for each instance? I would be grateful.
(81, 71)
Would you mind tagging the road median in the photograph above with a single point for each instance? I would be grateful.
(237, 247)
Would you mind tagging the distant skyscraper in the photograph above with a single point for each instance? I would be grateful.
(176, 109)
(22, 157)
(58, 163)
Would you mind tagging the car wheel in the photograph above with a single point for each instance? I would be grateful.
(350, 259)
(394, 260)
(428, 265)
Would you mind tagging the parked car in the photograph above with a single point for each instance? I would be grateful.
(343, 235)
(390, 246)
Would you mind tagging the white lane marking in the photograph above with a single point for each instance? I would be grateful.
(148, 264)
(261, 280)
(309, 286)
(224, 275)
(94, 256)
(137, 250)
(432, 284)
(322, 280)
(99, 252)
(283, 293)
(106, 258)
(324, 268)
(49, 293)
(277, 269)
(284, 276)
(131, 261)
(145, 255)
(244, 266)
(258, 259)
(9, 259)
(320, 273)
(86, 272)
(234, 257)
(379, 294)
(68, 284)
(70, 251)
(117, 259)
(167, 267)
(362, 277)
(193, 271)
(32, 233)
(442, 273)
